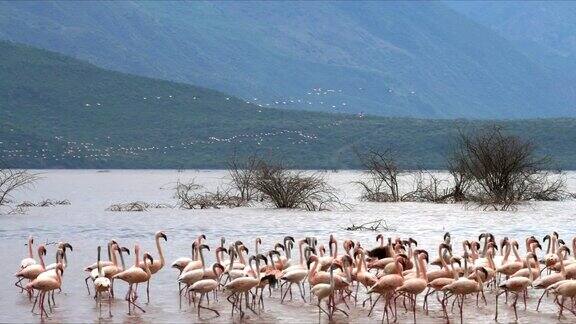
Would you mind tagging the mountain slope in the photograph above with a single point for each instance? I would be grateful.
(386, 58)
(57, 111)
(543, 30)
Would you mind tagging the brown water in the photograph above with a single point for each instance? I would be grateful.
(86, 224)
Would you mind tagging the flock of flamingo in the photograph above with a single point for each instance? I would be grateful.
(394, 272)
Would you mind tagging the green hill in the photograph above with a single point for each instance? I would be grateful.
(417, 59)
(59, 112)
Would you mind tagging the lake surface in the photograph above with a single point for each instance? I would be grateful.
(86, 224)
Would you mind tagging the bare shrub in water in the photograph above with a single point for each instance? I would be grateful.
(242, 173)
(136, 206)
(382, 171)
(503, 170)
(429, 188)
(44, 203)
(189, 196)
(12, 180)
(293, 189)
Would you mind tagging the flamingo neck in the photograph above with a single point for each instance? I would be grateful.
(454, 272)
(58, 275)
(443, 262)
(30, 248)
(122, 259)
(241, 256)
(485, 246)
(480, 282)
(137, 255)
(231, 264)
(417, 265)
(114, 259)
(109, 246)
(507, 253)
(218, 257)
(256, 275)
(313, 270)
(100, 274)
(335, 249)
(332, 283)
(516, 254)
(41, 259)
(398, 268)
(160, 253)
(202, 259)
(301, 253)
(423, 269)
(530, 275)
(562, 269)
(491, 263)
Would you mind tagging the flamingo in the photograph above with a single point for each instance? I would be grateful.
(90, 269)
(412, 287)
(241, 286)
(386, 285)
(463, 286)
(363, 276)
(326, 290)
(564, 289)
(45, 285)
(135, 275)
(189, 263)
(32, 271)
(206, 286)
(545, 282)
(516, 286)
(102, 285)
(158, 264)
(189, 277)
(30, 259)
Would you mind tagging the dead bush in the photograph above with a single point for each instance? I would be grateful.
(189, 196)
(382, 172)
(12, 180)
(242, 173)
(286, 188)
(136, 206)
(503, 170)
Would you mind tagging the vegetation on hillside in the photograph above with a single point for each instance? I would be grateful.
(59, 112)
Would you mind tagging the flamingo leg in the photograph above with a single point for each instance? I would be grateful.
(110, 304)
(498, 294)
(301, 292)
(514, 305)
(86, 282)
(35, 301)
(207, 308)
(540, 299)
(148, 291)
(19, 285)
(374, 304)
(286, 293)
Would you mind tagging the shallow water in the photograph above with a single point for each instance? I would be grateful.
(86, 224)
